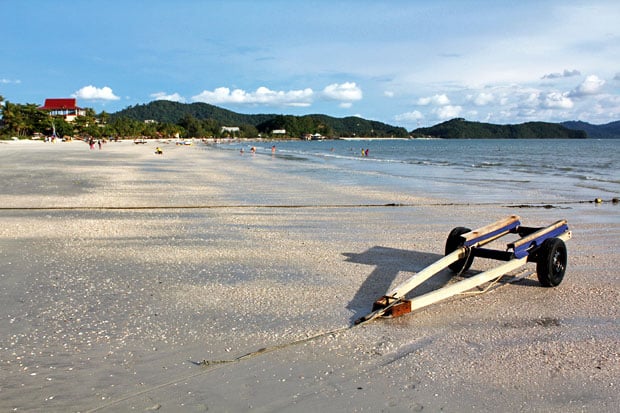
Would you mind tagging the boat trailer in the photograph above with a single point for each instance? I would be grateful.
(542, 245)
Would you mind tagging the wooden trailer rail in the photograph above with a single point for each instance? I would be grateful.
(545, 246)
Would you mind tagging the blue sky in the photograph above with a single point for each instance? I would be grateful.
(407, 63)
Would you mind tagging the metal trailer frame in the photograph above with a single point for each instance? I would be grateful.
(537, 244)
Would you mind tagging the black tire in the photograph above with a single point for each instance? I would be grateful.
(453, 242)
(551, 262)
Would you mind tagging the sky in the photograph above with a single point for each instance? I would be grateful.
(406, 63)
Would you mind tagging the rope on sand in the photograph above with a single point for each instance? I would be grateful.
(211, 365)
(265, 350)
(307, 206)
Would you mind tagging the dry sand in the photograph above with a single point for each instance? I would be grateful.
(115, 309)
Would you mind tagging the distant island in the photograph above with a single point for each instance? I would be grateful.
(460, 128)
(607, 131)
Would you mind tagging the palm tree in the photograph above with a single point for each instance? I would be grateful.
(8, 115)
(104, 117)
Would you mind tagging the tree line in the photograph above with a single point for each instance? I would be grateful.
(26, 120)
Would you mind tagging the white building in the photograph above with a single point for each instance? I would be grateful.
(229, 129)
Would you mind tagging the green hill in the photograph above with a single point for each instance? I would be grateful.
(459, 128)
(176, 113)
(610, 130)
(165, 111)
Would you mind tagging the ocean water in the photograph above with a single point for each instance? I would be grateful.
(528, 171)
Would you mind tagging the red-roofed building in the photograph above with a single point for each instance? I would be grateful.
(66, 107)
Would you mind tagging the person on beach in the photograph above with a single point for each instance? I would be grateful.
(366, 153)
(99, 143)
(158, 151)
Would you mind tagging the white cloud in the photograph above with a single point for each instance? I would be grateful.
(565, 73)
(483, 99)
(436, 99)
(471, 114)
(409, 116)
(590, 86)
(424, 101)
(448, 111)
(8, 81)
(557, 100)
(388, 93)
(261, 95)
(532, 98)
(607, 107)
(610, 106)
(93, 93)
(222, 95)
(174, 97)
(347, 91)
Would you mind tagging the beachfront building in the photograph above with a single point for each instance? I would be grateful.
(230, 129)
(66, 108)
(312, 137)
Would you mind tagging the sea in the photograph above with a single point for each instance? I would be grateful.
(532, 171)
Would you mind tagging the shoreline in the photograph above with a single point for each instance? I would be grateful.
(114, 310)
(455, 171)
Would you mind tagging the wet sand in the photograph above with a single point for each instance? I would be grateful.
(136, 282)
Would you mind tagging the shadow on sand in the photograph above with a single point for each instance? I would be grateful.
(388, 263)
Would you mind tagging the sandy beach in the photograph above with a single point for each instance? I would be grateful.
(208, 280)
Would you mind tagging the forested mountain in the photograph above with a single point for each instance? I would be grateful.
(212, 117)
(608, 131)
(182, 113)
(165, 111)
(459, 128)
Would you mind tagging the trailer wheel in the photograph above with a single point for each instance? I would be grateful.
(453, 242)
(551, 262)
